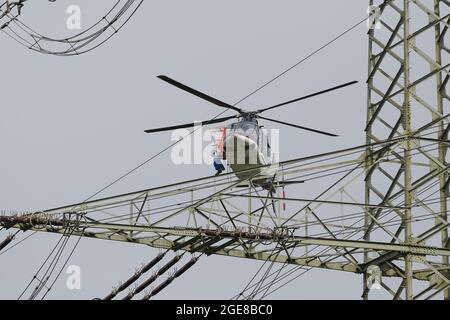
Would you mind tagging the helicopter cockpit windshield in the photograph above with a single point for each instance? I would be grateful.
(254, 132)
(247, 129)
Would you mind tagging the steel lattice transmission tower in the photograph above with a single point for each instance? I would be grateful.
(409, 56)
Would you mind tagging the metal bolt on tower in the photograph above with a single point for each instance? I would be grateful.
(409, 58)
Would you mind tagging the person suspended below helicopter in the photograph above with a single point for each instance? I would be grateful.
(217, 162)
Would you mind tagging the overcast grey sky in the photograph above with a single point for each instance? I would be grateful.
(69, 126)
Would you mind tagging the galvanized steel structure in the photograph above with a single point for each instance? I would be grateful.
(408, 79)
(399, 225)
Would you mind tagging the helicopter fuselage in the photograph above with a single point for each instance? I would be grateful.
(246, 149)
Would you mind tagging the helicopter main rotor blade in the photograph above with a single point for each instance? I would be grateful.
(190, 125)
(285, 183)
(198, 93)
(309, 96)
(299, 127)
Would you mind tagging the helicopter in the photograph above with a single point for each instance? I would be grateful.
(243, 145)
